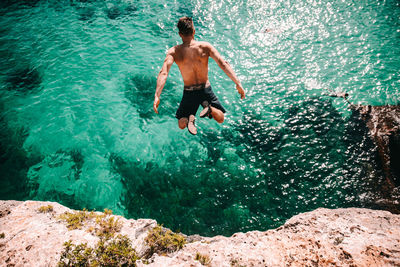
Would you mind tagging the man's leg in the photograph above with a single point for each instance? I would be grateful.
(217, 114)
(208, 110)
(183, 122)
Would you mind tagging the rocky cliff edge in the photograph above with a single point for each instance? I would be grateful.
(323, 237)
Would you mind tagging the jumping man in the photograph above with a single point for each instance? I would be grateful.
(192, 59)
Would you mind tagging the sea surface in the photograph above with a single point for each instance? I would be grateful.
(77, 83)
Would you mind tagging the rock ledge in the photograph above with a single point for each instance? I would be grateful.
(344, 237)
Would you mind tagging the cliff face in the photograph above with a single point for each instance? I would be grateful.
(343, 237)
(383, 123)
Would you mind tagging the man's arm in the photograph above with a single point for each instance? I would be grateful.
(162, 78)
(214, 54)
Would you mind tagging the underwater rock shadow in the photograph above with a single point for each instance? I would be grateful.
(185, 10)
(70, 162)
(140, 89)
(313, 121)
(147, 187)
(18, 4)
(86, 13)
(116, 12)
(179, 199)
(213, 144)
(255, 132)
(113, 12)
(24, 80)
(313, 115)
(14, 161)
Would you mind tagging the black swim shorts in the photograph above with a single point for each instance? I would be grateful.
(192, 98)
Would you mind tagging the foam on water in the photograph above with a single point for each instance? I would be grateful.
(77, 83)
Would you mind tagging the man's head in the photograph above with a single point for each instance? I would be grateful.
(186, 27)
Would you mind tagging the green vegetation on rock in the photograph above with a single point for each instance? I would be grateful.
(107, 226)
(103, 225)
(45, 209)
(163, 241)
(112, 249)
(116, 251)
(203, 259)
(76, 220)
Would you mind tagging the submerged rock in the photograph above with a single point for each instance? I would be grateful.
(18, 4)
(24, 80)
(113, 12)
(86, 14)
(343, 237)
(116, 12)
(131, 9)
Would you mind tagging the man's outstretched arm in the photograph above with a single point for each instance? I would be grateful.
(162, 78)
(214, 54)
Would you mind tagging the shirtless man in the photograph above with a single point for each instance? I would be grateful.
(192, 59)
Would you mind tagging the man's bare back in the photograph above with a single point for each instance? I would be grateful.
(192, 59)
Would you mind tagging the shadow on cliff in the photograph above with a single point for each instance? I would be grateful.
(383, 126)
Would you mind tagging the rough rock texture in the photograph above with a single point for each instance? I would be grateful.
(7, 206)
(383, 123)
(36, 239)
(341, 237)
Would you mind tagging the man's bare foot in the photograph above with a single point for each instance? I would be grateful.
(183, 122)
(191, 127)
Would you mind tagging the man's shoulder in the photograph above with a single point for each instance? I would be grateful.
(204, 44)
(172, 50)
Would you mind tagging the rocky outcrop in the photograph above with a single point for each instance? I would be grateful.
(383, 123)
(342, 237)
(33, 238)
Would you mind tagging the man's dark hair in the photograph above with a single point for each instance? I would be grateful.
(185, 26)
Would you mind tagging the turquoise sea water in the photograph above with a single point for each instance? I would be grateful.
(77, 82)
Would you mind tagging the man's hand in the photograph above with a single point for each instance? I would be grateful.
(240, 91)
(156, 103)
